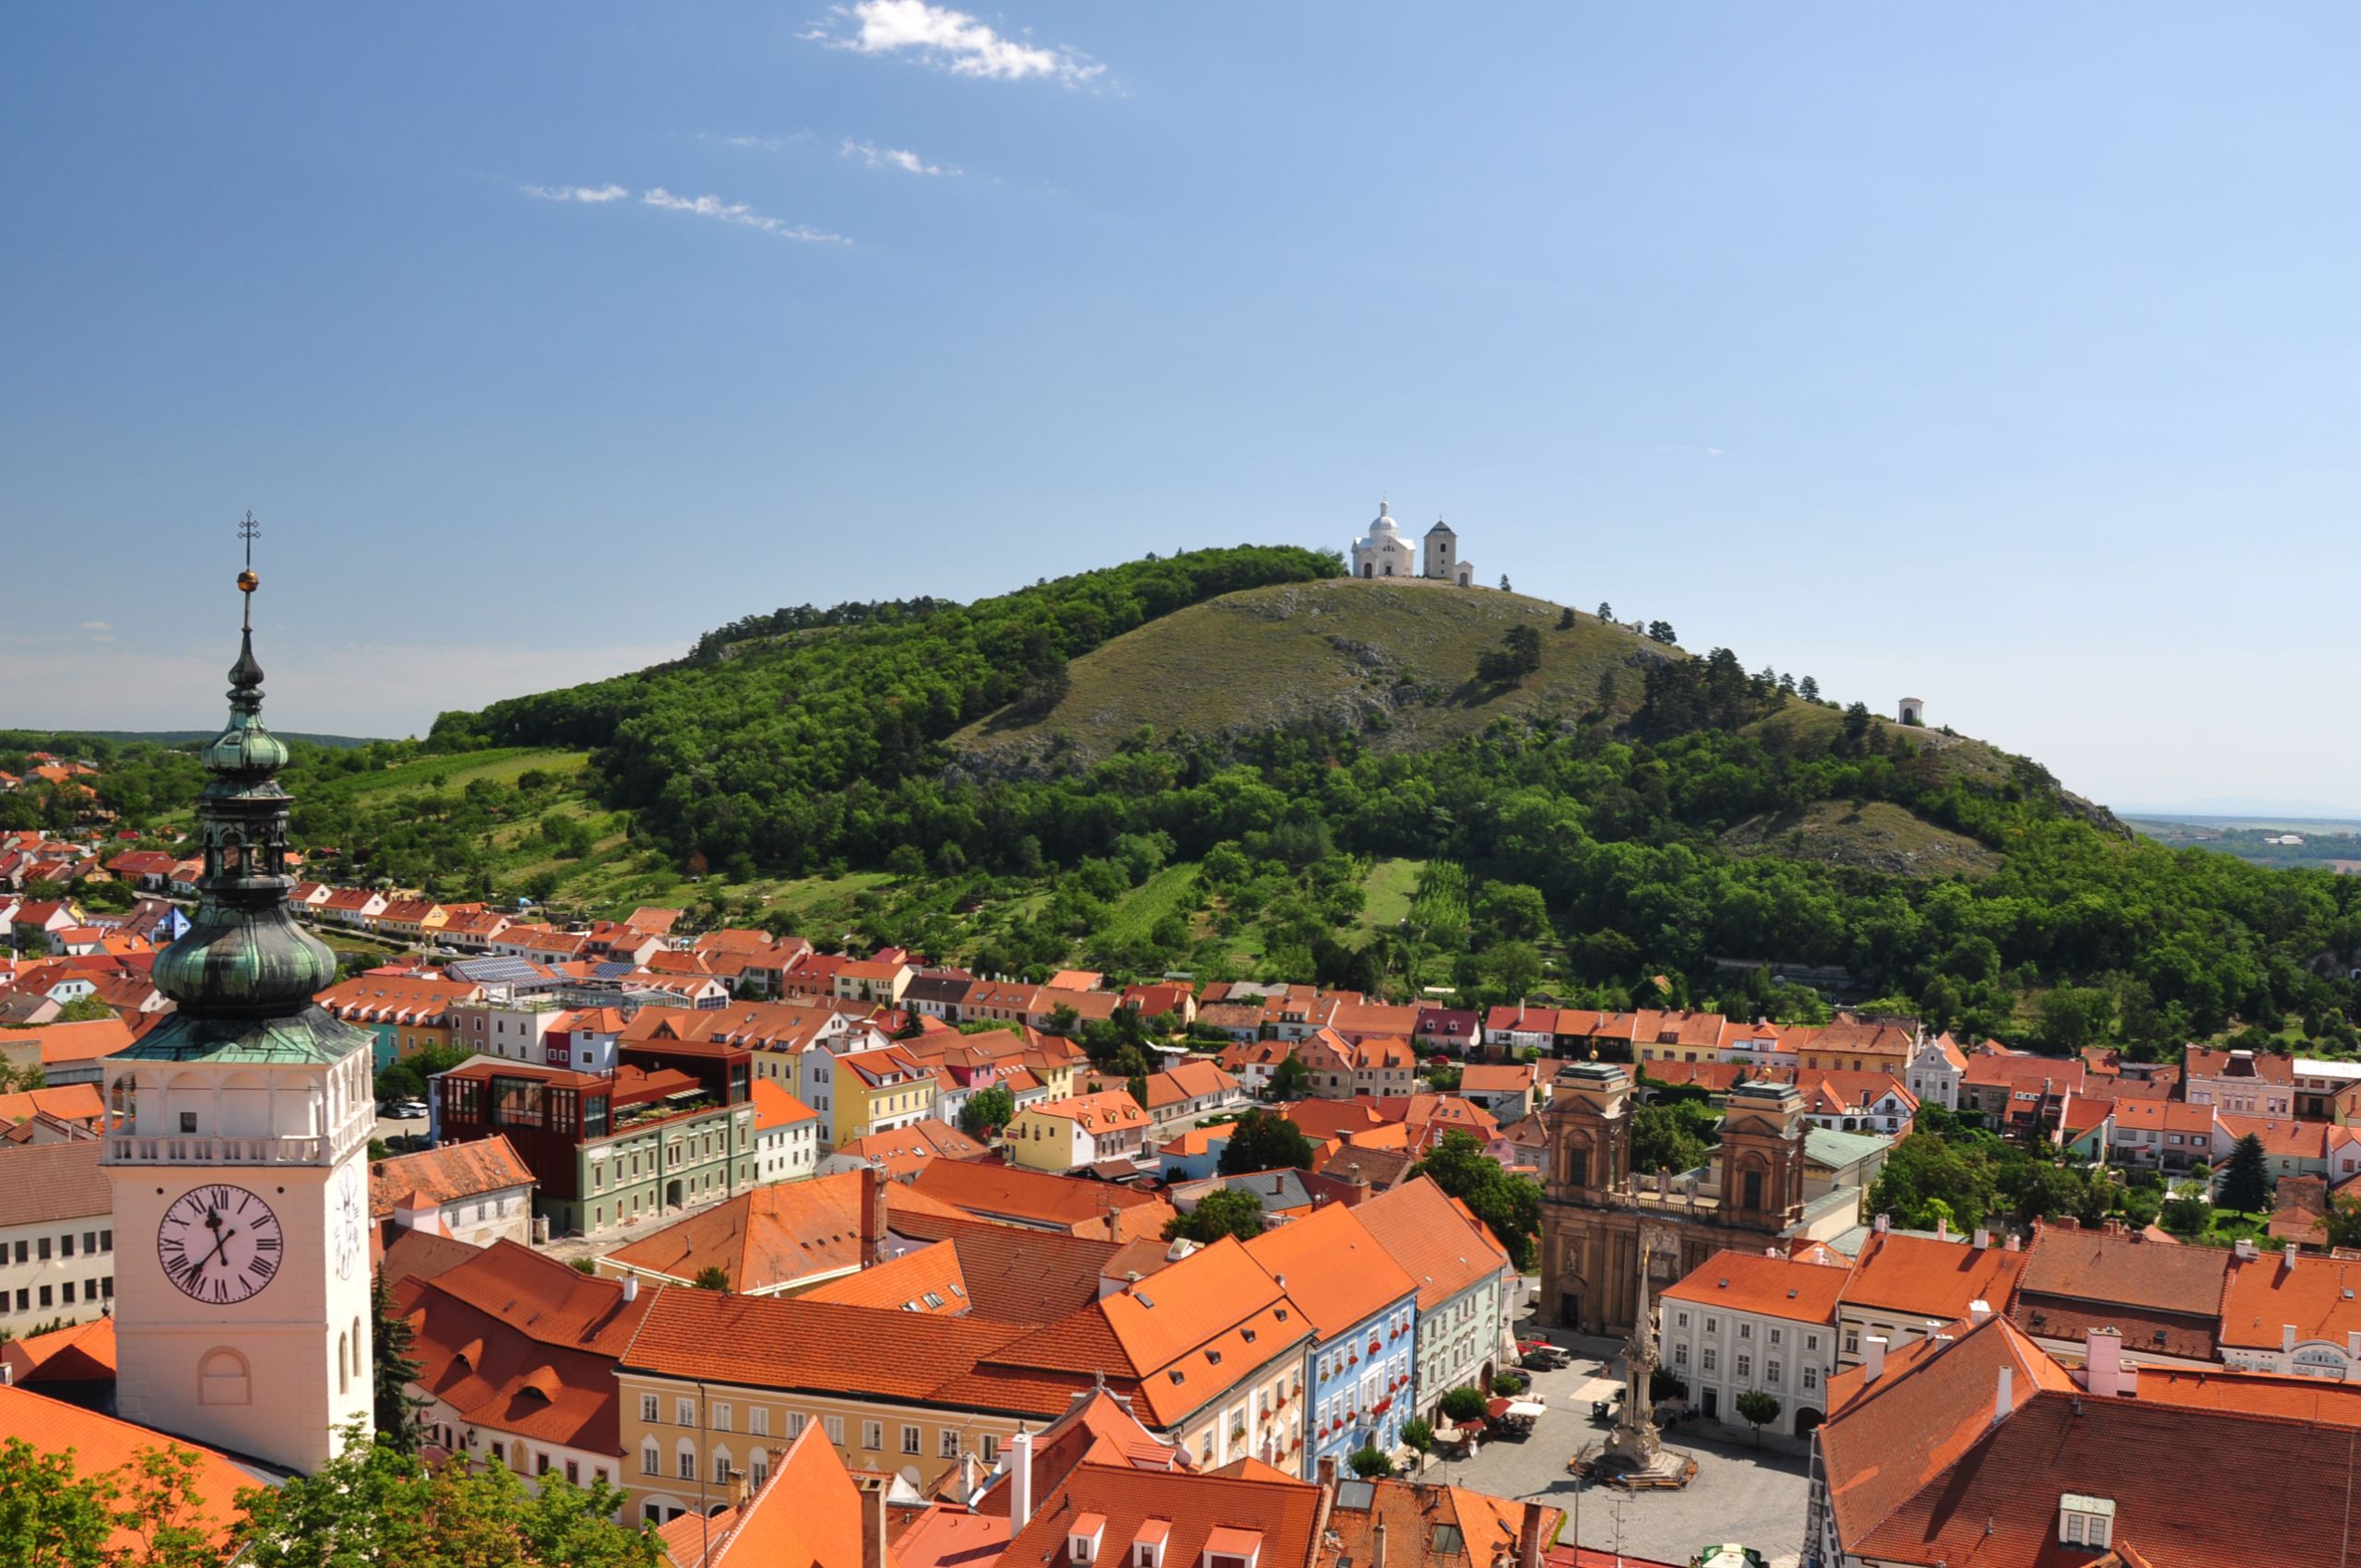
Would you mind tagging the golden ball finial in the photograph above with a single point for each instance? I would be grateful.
(247, 581)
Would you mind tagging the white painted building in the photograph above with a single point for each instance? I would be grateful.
(1748, 1322)
(56, 1235)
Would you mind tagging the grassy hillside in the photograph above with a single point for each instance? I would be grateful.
(1875, 835)
(1397, 657)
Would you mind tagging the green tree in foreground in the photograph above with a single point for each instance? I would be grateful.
(1260, 1140)
(1510, 1205)
(712, 1277)
(1371, 1463)
(1758, 1409)
(2341, 1224)
(1419, 1434)
(371, 1505)
(1291, 1080)
(987, 1112)
(397, 1415)
(1226, 1212)
(2246, 1180)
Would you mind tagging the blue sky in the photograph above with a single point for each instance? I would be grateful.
(2000, 355)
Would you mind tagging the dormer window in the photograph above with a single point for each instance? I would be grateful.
(2086, 1522)
(1147, 1547)
(1082, 1539)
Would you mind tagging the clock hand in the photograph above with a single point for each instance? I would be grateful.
(219, 1242)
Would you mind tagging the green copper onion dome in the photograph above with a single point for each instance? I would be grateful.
(244, 957)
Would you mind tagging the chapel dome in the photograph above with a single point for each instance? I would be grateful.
(1384, 527)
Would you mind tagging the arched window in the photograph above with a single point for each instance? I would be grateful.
(222, 1379)
(343, 1363)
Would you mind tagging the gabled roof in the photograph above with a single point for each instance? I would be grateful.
(775, 1108)
(1919, 1471)
(1096, 1428)
(81, 1353)
(1925, 1278)
(42, 1184)
(2320, 1296)
(508, 1344)
(448, 1173)
(767, 1237)
(1797, 1288)
(1434, 1240)
(903, 1150)
(1110, 1110)
(1272, 1521)
(1035, 1197)
(1333, 1267)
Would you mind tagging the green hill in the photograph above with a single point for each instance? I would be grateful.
(1235, 762)
(1396, 659)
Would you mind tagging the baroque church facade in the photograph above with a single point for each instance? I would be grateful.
(1600, 1218)
(1384, 552)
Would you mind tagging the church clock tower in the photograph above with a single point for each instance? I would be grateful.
(237, 1136)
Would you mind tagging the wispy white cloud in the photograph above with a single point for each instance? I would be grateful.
(740, 213)
(592, 193)
(878, 157)
(758, 144)
(949, 41)
(98, 631)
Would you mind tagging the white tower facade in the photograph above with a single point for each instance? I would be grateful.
(236, 1143)
(1443, 562)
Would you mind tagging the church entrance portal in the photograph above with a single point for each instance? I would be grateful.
(1712, 1404)
(1569, 1310)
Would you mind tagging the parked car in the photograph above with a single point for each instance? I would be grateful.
(409, 1110)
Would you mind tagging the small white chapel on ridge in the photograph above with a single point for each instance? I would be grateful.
(1384, 552)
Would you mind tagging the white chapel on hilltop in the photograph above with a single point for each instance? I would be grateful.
(1385, 553)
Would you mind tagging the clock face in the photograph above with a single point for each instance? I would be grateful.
(220, 1244)
(348, 1223)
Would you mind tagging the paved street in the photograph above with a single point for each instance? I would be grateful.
(1754, 1498)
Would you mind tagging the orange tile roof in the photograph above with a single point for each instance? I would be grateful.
(1414, 1514)
(1925, 1278)
(81, 1353)
(774, 1107)
(448, 1173)
(103, 1446)
(1035, 1197)
(907, 1147)
(1183, 1335)
(947, 1536)
(507, 1344)
(64, 1044)
(74, 1102)
(1794, 1288)
(793, 1342)
(761, 1240)
(2321, 1296)
(1110, 1110)
(1335, 1270)
(1274, 1521)
(928, 1280)
(1918, 1471)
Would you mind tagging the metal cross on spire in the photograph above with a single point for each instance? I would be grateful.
(249, 530)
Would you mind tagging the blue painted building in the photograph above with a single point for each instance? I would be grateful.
(1363, 1308)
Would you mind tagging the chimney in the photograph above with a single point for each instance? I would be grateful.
(416, 1211)
(1942, 1227)
(1528, 1537)
(970, 1480)
(2067, 1222)
(872, 1527)
(2286, 1338)
(2244, 1247)
(1980, 1311)
(631, 1288)
(2001, 1401)
(1874, 1363)
(873, 1214)
(1328, 1470)
(1883, 1223)
(1983, 1238)
(2012, 1244)
(2286, 1263)
(2103, 1362)
(1020, 1480)
(1377, 1544)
